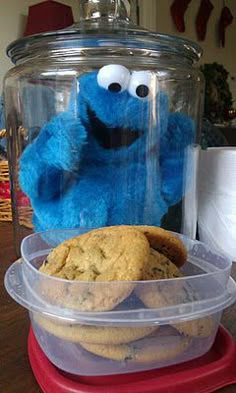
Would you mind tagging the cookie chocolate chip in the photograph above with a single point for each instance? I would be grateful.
(93, 334)
(165, 242)
(94, 259)
(153, 348)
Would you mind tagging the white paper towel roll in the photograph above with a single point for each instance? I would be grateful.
(217, 199)
(217, 170)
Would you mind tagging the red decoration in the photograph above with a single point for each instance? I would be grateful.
(5, 192)
(203, 16)
(226, 18)
(22, 199)
(178, 9)
(47, 16)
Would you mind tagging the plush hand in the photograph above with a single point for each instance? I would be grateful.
(52, 160)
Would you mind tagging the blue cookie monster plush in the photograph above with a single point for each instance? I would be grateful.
(116, 156)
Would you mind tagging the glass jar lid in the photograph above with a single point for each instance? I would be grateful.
(104, 29)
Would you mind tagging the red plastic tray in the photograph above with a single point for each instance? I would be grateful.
(206, 374)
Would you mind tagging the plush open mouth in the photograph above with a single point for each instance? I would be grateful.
(111, 138)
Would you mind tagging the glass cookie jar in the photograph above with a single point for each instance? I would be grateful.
(103, 123)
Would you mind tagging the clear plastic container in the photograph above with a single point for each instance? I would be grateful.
(81, 337)
(103, 125)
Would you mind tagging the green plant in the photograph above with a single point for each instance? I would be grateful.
(218, 98)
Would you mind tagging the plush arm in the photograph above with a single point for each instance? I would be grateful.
(179, 135)
(48, 164)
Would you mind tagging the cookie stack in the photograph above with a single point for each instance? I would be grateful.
(126, 256)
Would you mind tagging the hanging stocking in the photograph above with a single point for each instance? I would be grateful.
(203, 16)
(178, 9)
(226, 18)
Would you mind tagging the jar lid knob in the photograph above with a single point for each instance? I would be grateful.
(105, 9)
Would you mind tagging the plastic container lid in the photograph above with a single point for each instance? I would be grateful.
(206, 277)
(212, 371)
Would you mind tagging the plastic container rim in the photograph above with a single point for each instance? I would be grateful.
(14, 282)
(58, 279)
(105, 317)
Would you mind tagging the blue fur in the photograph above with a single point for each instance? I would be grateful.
(74, 182)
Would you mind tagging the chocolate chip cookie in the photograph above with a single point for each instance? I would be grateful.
(166, 243)
(93, 334)
(94, 260)
(153, 348)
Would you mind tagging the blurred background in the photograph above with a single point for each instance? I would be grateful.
(154, 15)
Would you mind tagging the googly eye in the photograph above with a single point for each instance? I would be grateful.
(143, 85)
(113, 77)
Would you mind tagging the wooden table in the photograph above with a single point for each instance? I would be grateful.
(15, 372)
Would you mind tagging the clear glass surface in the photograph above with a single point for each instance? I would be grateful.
(103, 125)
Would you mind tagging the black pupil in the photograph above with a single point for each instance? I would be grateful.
(114, 87)
(142, 91)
